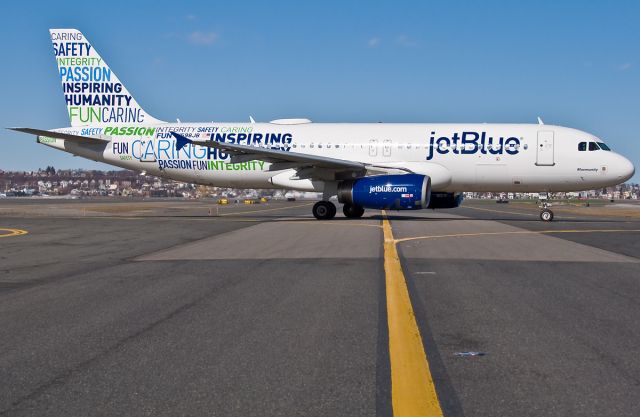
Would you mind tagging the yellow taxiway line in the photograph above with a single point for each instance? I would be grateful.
(12, 232)
(412, 390)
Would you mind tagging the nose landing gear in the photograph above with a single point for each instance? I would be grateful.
(546, 215)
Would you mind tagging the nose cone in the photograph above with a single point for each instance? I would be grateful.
(624, 169)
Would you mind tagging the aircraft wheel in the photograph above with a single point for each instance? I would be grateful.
(334, 210)
(352, 212)
(546, 215)
(324, 210)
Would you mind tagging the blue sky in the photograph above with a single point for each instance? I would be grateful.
(574, 63)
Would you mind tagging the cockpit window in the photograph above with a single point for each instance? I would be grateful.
(593, 146)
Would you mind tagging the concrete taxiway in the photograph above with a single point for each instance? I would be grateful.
(189, 308)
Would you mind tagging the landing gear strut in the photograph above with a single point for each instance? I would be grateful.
(351, 211)
(324, 210)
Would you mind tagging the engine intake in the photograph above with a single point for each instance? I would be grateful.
(396, 192)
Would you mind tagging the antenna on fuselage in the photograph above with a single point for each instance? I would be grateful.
(540, 122)
(178, 120)
(251, 119)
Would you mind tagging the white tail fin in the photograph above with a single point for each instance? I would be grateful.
(93, 93)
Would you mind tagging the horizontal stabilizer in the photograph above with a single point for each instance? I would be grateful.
(61, 135)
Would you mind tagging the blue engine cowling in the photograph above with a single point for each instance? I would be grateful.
(396, 192)
(445, 200)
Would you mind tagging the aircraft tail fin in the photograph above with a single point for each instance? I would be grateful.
(94, 94)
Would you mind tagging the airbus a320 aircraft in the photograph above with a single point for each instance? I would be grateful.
(366, 165)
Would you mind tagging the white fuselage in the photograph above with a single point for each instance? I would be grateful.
(457, 157)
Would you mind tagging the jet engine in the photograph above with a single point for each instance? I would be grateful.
(395, 192)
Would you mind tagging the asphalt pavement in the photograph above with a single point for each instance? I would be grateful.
(190, 308)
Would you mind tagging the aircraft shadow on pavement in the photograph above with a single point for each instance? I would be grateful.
(306, 218)
(558, 219)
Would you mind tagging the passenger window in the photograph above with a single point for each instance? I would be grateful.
(582, 146)
(593, 146)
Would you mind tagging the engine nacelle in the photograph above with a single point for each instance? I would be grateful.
(445, 200)
(396, 192)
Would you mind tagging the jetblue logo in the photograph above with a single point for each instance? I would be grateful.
(468, 143)
(386, 189)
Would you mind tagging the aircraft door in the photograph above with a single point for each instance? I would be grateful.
(544, 150)
(373, 148)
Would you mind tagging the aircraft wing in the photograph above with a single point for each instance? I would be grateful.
(307, 166)
(61, 135)
(280, 159)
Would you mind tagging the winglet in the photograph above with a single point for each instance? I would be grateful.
(181, 141)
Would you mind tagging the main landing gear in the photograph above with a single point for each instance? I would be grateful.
(324, 210)
(352, 212)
